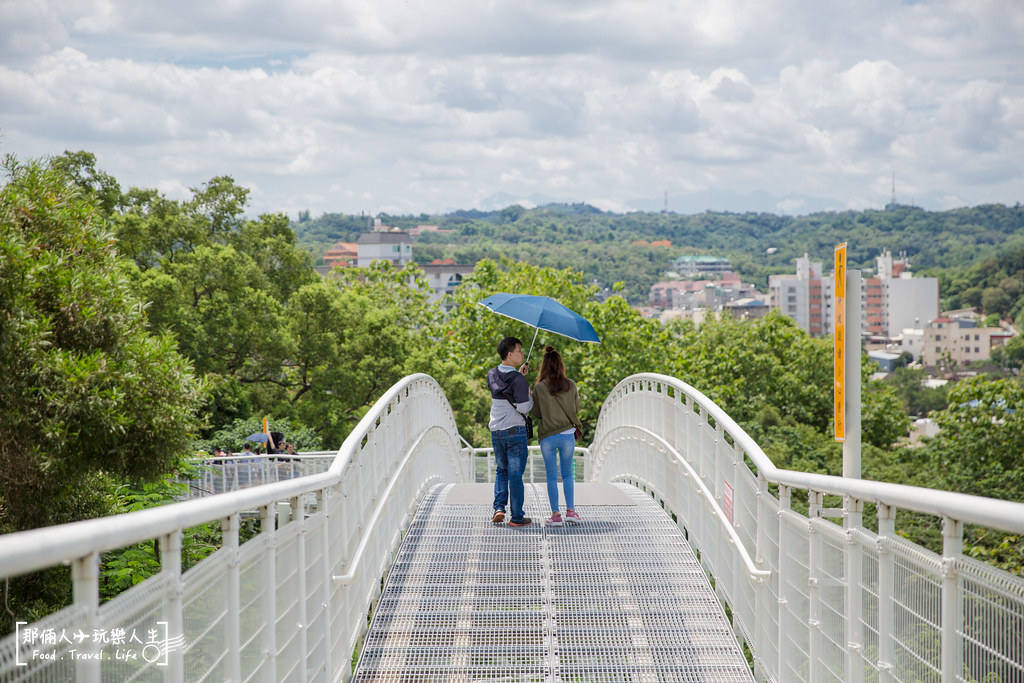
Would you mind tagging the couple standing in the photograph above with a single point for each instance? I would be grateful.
(556, 402)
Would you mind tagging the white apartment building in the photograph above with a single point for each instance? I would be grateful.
(890, 302)
(394, 246)
(911, 340)
(805, 297)
(907, 302)
(444, 277)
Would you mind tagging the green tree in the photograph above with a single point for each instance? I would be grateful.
(914, 396)
(883, 421)
(995, 300)
(88, 390)
(747, 365)
(221, 283)
(80, 167)
(1010, 355)
(981, 436)
(356, 334)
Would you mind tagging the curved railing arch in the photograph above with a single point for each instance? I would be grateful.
(278, 607)
(815, 600)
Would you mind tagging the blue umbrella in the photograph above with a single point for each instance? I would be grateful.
(258, 436)
(543, 313)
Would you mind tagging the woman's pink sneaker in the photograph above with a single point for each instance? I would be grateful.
(553, 520)
(572, 518)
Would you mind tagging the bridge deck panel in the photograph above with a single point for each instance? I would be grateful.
(621, 597)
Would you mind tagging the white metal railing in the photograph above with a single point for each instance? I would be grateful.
(533, 473)
(813, 600)
(287, 605)
(224, 474)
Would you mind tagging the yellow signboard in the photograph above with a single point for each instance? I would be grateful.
(839, 355)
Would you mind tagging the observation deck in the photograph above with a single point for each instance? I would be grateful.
(621, 597)
(379, 563)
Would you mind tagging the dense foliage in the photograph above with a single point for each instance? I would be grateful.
(635, 248)
(89, 391)
(134, 324)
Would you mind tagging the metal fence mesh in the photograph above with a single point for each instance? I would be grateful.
(619, 598)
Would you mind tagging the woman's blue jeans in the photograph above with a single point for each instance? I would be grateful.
(557, 450)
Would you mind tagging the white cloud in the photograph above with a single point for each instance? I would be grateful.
(358, 105)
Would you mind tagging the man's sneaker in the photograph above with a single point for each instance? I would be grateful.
(553, 520)
(499, 516)
(525, 521)
(572, 518)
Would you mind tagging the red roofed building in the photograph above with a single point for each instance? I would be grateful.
(342, 254)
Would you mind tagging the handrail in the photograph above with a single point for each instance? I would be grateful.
(364, 540)
(26, 551)
(751, 568)
(997, 514)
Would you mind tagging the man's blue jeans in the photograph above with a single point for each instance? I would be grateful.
(557, 450)
(510, 450)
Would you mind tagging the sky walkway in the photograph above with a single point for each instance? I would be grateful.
(619, 598)
(386, 550)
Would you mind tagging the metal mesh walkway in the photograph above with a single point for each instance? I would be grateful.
(619, 598)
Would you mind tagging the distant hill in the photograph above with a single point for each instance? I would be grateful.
(616, 247)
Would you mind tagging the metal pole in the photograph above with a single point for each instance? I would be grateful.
(86, 575)
(173, 606)
(952, 598)
(852, 508)
(851, 446)
(268, 598)
(886, 583)
(232, 590)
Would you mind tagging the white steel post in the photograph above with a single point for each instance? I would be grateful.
(86, 577)
(952, 617)
(170, 563)
(886, 569)
(323, 504)
(269, 595)
(232, 592)
(299, 518)
(851, 447)
(815, 501)
(761, 601)
(853, 559)
(785, 651)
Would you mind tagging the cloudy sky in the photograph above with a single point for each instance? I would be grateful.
(410, 106)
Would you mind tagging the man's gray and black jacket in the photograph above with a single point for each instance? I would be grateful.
(508, 384)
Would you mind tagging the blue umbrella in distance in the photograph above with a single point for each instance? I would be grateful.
(543, 313)
(258, 436)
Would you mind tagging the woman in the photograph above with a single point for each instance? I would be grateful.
(556, 403)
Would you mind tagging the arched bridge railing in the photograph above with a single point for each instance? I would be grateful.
(816, 600)
(286, 605)
(813, 600)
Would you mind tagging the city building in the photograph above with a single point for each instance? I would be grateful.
(890, 302)
(341, 255)
(958, 341)
(691, 294)
(746, 309)
(911, 340)
(806, 297)
(906, 301)
(444, 276)
(694, 266)
(384, 245)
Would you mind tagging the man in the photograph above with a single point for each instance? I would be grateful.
(510, 402)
